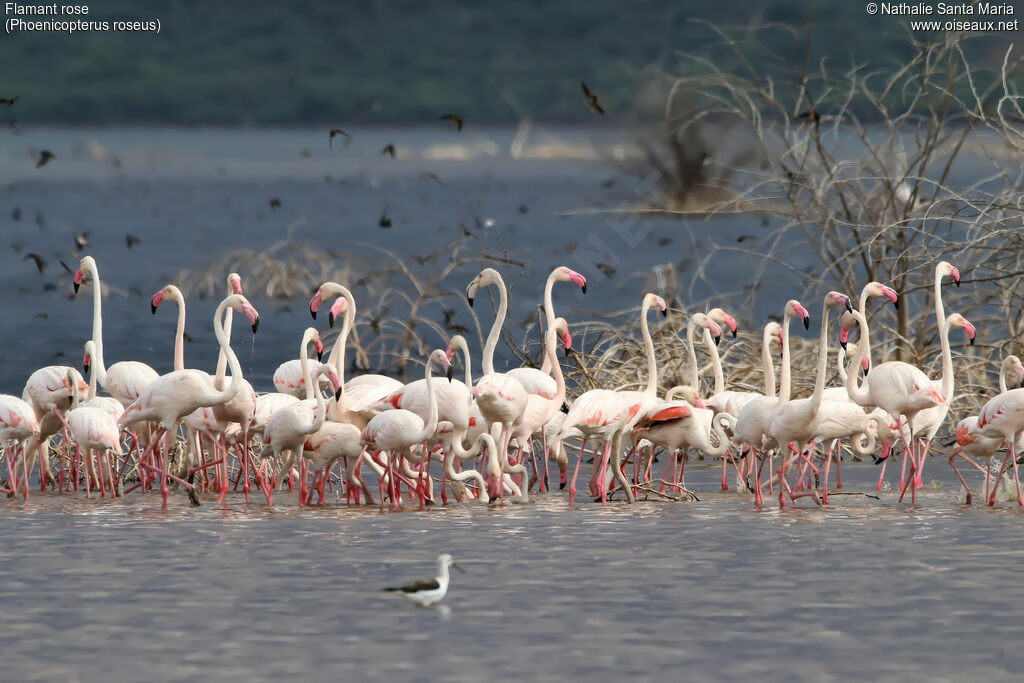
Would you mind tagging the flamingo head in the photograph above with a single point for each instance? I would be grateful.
(337, 308)
(440, 356)
(234, 283)
(878, 289)
(563, 274)
(701, 320)
(562, 326)
(723, 318)
(796, 309)
(318, 345)
(773, 333)
(242, 305)
(333, 378)
(957, 320)
(838, 299)
(487, 277)
(947, 269)
(86, 361)
(314, 303)
(652, 300)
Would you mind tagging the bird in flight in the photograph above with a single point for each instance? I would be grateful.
(131, 240)
(457, 120)
(39, 261)
(427, 592)
(389, 149)
(9, 101)
(336, 132)
(45, 157)
(385, 220)
(275, 203)
(592, 103)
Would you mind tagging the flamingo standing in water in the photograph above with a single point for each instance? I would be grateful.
(397, 432)
(94, 429)
(48, 390)
(751, 432)
(125, 380)
(972, 444)
(18, 424)
(171, 397)
(288, 428)
(1002, 417)
(795, 422)
(501, 397)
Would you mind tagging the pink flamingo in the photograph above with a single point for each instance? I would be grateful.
(1003, 417)
(871, 289)
(501, 397)
(972, 444)
(18, 424)
(396, 432)
(899, 388)
(288, 428)
(795, 422)
(173, 396)
(752, 424)
(541, 382)
(540, 409)
(125, 380)
(48, 391)
(95, 430)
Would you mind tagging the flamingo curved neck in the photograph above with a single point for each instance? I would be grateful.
(307, 371)
(719, 432)
(92, 378)
(179, 334)
(652, 362)
(222, 360)
(97, 322)
(785, 381)
(321, 405)
(948, 376)
(550, 342)
(716, 361)
(694, 371)
(819, 380)
(858, 392)
(495, 333)
(431, 426)
(862, 306)
(75, 397)
(222, 396)
(337, 355)
(767, 366)
(1004, 370)
(940, 310)
(549, 309)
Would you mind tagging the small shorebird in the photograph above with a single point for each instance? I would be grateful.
(427, 592)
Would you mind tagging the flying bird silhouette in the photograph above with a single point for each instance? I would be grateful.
(389, 149)
(275, 203)
(338, 131)
(385, 220)
(45, 157)
(39, 261)
(131, 240)
(455, 119)
(82, 240)
(592, 103)
(9, 101)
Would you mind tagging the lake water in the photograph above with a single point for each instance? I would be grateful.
(97, 591)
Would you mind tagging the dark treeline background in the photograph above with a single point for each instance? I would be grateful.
(404, 61)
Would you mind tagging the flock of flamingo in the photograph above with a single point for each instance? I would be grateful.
(212, 434)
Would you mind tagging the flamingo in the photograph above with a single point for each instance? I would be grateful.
(501, 397)
(290, 377)
(899, 388)
(287, 429)
(754, 420)
(396, 432)
(794, 422)
(171, 397)
(360, 392)
(972, 444)
(125, 380)
(540, 409)
(871, 289)
(18, 424)
(48, 390)
(540, 382)
(1002, 417)
(95, 430)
